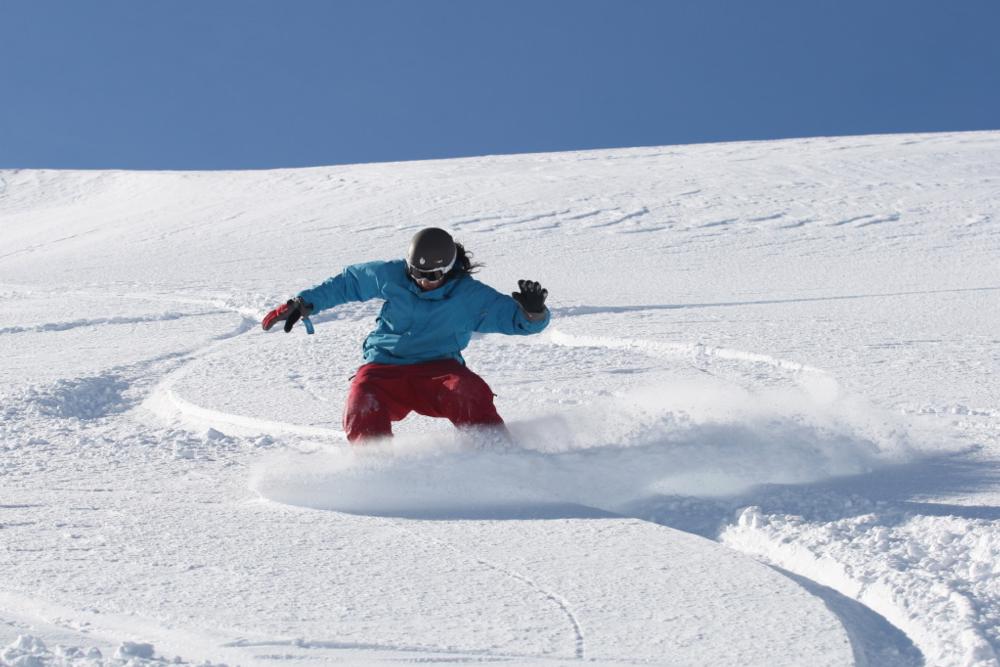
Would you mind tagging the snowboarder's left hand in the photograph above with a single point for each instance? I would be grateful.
(291, 312)
(531, 297)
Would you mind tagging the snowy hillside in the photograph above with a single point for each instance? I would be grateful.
(763, 427)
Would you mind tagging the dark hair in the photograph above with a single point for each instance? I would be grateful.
(463, 263)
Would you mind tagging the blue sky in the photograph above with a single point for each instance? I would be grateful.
(220, 84)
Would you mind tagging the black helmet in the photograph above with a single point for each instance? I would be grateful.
(432, 252)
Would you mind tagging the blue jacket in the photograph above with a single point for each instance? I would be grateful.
(416, 326)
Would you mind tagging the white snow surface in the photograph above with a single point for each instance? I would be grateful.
(763, 427)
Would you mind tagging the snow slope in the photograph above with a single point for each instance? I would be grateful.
(762, 429)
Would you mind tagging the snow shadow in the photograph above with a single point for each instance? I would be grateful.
(963, 473)
(416, 478)
(887, 491)
(697, 439)
(575, 311)
(874, 640)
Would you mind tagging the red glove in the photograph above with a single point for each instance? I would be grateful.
(291, 312)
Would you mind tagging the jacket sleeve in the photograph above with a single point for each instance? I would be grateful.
(358, 282)
(501, 314)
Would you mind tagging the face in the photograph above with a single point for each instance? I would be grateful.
(427, 280)
(427, 285)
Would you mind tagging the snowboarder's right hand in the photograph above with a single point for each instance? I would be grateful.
(291, 312)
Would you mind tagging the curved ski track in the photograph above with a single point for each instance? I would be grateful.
(166, 404)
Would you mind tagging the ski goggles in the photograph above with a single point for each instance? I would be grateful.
(432, 275)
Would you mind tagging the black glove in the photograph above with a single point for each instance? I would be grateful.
(531, 297)
(291, 312)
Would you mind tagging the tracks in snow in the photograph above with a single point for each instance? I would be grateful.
(558, 600)
(165, 402)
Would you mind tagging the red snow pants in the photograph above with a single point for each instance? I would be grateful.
(384, 393)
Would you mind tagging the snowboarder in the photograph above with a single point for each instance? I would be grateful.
(413, 358)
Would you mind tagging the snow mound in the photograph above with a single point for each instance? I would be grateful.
(84, 398)
(697, 438)
(30, 651)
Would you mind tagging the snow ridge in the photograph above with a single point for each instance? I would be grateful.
(903, 583)
(63, 326)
